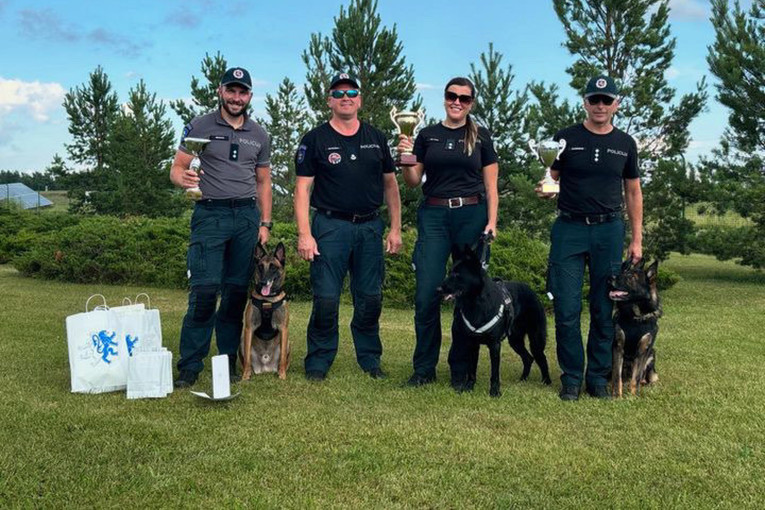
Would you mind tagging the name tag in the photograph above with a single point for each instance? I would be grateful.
(219, 137)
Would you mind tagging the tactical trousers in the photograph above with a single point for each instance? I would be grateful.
(575, 244)
(219, 262)
(345, 247)
(440, 230)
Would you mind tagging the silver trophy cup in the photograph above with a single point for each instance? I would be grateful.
(547, 152)
(407, 122)
(196, 146)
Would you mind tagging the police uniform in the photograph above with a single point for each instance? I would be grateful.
(347, 193)
(224, 232)
(589, 230)
(453, 213)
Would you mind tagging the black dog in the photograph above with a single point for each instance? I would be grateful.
(636, 323)
(487, 311)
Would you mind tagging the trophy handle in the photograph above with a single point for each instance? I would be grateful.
(562, 145)
(393, 112)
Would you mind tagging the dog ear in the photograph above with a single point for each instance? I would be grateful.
(280, 253)
(652, 271)
(260, 251)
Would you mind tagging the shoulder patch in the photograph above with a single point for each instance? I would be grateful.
(301, 153)
(186, 131)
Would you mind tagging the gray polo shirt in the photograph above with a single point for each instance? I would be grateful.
(230, 159)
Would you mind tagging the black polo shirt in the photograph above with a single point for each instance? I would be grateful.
(592, 167)
(347, 170)
(449, 171)
(229, 161)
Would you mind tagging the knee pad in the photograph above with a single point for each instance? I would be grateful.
(232, 302)
(325, 312)
(367, 310)
(202, 303)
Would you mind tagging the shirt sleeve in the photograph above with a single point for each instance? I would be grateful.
(388, 164)
(304, 162)
(632, 166)
(186, 132)
(419, 147)
(264, 158)
(557, 164)
(488, 154)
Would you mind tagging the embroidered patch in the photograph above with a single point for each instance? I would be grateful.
(238, 74)
(334, 158)
(601, 83)
(186, 132)
(301, 154)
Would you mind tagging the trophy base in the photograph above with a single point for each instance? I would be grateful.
(406, 160)
(193, 193)
(550, 187)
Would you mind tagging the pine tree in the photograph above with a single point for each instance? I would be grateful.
(204, 96)
(141, 147)
(288, 120)
(91, 109)
(360, 45)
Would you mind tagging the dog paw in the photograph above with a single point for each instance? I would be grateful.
(494, 392)
(283, 375)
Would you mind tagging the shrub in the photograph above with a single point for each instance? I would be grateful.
(19, 229)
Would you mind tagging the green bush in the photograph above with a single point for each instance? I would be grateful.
(19, 229)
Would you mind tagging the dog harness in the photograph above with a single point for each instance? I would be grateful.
(266, 331)
(493, 321)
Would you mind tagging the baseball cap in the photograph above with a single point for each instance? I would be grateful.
(601, 86)
(344, 78)
(239, 76)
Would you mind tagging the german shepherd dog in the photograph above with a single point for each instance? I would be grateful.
(265, 345)
(487, 311)
(636, 324)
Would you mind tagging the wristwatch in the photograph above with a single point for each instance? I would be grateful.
(268, 224)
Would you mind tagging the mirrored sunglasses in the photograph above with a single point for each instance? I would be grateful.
(339, 94)
(606, 100)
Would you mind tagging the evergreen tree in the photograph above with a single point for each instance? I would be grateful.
(736, 172)
(58, 173)
(360, 45)
(288, 120)
(141, 147)
(204, 96)
(91, 109)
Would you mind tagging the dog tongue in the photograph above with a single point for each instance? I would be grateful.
(617, 294)
(266, 290)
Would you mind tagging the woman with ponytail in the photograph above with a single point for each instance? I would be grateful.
(457, 167)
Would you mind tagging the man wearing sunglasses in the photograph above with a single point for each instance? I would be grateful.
(344, 171)
(598, 162)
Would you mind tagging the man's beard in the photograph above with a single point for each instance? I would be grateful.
(241, 112)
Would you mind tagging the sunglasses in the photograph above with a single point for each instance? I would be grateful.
(606, 100)
(452, 97)
(339, 94)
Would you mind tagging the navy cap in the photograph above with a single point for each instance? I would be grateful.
(601, 86)
(341, 78)
(239, 76)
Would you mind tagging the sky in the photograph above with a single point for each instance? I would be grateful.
(51, 47)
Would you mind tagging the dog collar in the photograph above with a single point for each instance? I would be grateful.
(267, 303)
(492, 322)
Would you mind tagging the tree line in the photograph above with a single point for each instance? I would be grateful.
(125, 151)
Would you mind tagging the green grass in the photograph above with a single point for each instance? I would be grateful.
(59, 199)
(693, 441)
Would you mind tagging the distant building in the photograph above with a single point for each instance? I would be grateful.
(26, 197)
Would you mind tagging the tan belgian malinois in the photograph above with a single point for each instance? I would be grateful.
(265, 343)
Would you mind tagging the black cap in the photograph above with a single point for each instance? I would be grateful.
(344, 78)
(601, 86)
(239, 76)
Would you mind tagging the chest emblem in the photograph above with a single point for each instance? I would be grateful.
(334, 158)
(353, 157)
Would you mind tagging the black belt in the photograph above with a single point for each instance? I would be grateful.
(352, 217)
(590, 219)
(453, 203)
(227, 202)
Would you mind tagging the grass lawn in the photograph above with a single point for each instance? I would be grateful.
(696, 440)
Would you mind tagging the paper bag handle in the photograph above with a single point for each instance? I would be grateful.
(99, 307)
(148, 300)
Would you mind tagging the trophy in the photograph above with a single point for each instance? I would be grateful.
(406, 123)
(196, 146)
(548, 151)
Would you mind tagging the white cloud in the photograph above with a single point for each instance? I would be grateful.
(672, 73)
(691, 10)
(38, 99)
(424, 86)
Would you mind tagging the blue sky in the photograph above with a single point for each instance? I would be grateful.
(51, 46)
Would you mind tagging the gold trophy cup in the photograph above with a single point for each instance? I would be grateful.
(407, 122)
(196, 146)
(547, 152)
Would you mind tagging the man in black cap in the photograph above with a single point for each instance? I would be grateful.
(233, 214)
(599, 160)
(349, 165)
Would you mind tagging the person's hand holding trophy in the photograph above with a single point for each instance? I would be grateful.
(406, 122)
(547, 152)
(195, 146)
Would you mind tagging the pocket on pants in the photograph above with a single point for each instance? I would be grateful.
(416, 255)
(196, 264)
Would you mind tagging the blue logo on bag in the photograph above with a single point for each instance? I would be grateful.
(103, 344)
(130, 344)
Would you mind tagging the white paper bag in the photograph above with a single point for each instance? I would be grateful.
(150, 374)
(97, 350)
